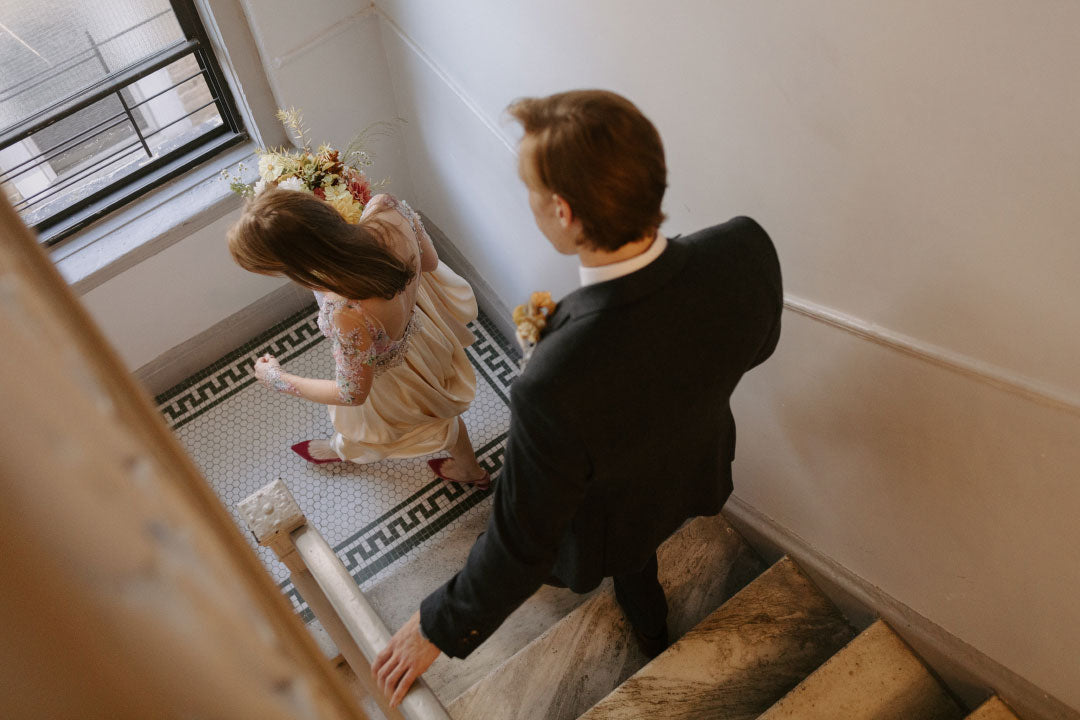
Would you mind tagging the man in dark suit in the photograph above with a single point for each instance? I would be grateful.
(621, 427)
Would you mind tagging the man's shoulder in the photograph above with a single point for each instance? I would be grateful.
(738, 245)
(739, 231)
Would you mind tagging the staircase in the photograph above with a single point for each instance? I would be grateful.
(752, 642)
(771, 647)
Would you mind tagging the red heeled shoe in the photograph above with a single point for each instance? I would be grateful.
(436, 467)
(301, 449)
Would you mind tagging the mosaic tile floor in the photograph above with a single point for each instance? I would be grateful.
(375, 516)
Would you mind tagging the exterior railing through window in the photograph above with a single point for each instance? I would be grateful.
(117, 131)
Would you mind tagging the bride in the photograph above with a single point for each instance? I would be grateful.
(395, 317)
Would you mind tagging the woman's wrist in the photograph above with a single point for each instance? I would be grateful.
(279, 381)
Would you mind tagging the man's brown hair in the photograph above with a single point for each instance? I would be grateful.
(285, 232)
(598, 152)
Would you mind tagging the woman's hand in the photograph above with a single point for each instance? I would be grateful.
(268, 372)
(403, 660)
(264, 366)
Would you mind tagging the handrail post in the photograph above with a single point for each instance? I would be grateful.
(277, 522)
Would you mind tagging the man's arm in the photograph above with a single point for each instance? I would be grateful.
(538, 494)
(771, 288)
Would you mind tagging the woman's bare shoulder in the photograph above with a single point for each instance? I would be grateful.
(381, 203)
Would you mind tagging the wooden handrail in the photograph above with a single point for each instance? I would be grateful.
(276, 521)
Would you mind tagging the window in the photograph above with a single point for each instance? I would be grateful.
(101, 100)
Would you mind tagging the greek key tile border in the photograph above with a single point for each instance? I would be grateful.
(210, 387)
(408, 525)
(293, 337)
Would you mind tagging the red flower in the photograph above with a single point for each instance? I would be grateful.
(359, 187)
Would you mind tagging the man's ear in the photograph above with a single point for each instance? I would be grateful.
(563, 213)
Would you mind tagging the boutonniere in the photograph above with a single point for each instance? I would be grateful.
(531, 319)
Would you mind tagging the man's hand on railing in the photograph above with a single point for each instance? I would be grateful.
(405, 658)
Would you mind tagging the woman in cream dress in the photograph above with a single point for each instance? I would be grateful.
(396, 320)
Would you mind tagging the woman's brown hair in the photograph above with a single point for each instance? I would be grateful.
(285, 232)
(598, 152)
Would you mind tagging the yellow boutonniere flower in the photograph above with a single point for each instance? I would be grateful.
(531, 319)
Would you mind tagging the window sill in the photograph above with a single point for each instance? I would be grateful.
(152, 223)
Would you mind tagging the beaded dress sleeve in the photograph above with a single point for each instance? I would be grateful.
(354, 353)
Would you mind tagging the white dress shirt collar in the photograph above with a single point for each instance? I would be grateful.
(603, 273)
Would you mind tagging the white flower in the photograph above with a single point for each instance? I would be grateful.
(260, 185)
(270, 166)
(294, 183)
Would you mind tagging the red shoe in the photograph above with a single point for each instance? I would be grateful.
(301, 449)
(436, 467)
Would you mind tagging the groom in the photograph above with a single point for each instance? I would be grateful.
(621, 427)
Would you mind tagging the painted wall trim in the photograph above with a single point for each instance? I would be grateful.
(320, 38)
(454, 87)
(969, 673)
(988, 373)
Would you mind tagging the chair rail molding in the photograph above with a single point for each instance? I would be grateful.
(985, 372)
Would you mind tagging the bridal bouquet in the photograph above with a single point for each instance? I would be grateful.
(324, 172)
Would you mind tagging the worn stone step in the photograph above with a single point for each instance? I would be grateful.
(993, 709)
(397, 593)
(876, 677)
(740, 659)
(591, 650)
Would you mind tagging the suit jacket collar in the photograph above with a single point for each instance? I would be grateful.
(622, 290)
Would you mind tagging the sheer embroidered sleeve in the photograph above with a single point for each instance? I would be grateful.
(429, 259)
(354, 354)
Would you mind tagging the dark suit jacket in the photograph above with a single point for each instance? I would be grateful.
(621, 426)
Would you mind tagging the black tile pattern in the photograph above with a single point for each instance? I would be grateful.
(233, 373)
(405, 527)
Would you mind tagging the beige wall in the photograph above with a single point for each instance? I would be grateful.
(918, 165)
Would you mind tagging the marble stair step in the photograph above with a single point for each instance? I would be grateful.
(592, 650)
(739, 660)
(397, 595)
(876, 677)
(993, 709)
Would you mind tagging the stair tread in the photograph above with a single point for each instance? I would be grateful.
(741, 658)
(876, 677)
(993, 709)
(397, 595)
(591, 650)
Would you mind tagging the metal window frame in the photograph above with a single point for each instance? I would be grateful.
(85, 211)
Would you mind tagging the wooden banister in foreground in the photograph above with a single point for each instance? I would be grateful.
(277, 522)
(126, 588)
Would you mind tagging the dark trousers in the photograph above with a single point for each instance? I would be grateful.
(640, 596)
(642, 599)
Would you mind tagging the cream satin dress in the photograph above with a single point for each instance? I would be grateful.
(423, 380)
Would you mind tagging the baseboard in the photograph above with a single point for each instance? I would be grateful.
(969, 674)
(486, 298)
(191, 356)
